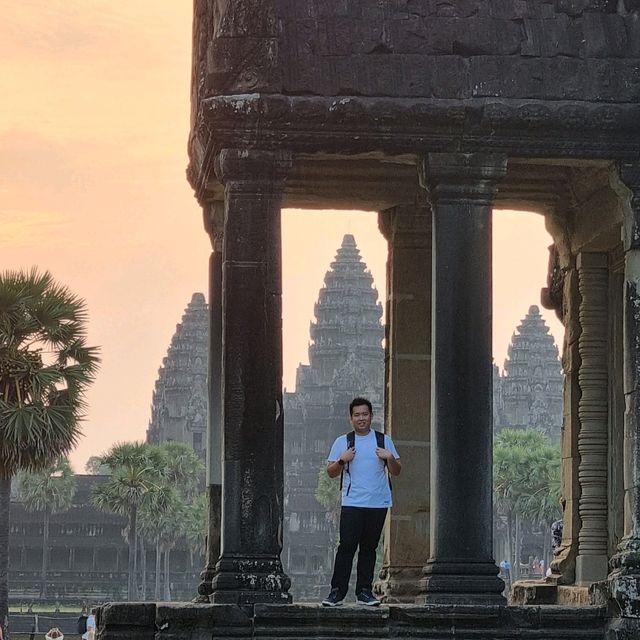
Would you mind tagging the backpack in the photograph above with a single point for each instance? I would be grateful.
(351, 442)
(82, 624)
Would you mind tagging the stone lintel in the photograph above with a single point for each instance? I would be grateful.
(360, 120)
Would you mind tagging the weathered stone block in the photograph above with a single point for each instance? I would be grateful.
(559, 36)
(127, 621)
(604, 36)
(532, 592)
(565, 78)
(487, 36)
(187, 621)
(513, 9)
(431, 36)
(451, 77)
(418, 79)
(578, 7)
(492, 76)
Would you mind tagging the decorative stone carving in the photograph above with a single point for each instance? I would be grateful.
(630, 176)
(551, 295)
(593, 378)
(624, 579)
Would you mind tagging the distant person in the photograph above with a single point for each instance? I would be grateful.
(556, 534)
(360, 458)
(505, 565)
(82, 623)
(90, 633)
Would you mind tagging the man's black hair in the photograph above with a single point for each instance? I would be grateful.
(357, 402)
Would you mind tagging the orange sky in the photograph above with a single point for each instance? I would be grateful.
(94, 120)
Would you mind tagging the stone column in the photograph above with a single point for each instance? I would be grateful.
(593, 413)
(563, 564)
(250, 570)
(624, 578)
(408, 397)
(461, 568)
(213, 214)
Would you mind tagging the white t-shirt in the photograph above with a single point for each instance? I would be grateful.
(91, 628)
(367, 475)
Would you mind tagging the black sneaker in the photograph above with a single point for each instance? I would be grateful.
(367, 598)
(334, 599)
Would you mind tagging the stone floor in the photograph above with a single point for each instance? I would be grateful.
(185, 621)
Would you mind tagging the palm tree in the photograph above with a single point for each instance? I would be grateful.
(45, 369)
(526, 483)
(137, 471)
(183, 468)
(49, 490)
(195, 528)
(152, 521)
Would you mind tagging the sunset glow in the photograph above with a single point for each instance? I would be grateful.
(93, 131)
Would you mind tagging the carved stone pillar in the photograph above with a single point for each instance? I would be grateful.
(214, 225)
(563, 564)
(624, 578)
(593, 413)
(250, 570)
(408, 397)
(461, 568)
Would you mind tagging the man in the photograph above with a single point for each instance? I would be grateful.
(90, 633)
(366, 498)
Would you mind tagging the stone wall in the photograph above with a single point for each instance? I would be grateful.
(556, 50)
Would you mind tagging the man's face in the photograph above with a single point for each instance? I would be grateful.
(361, 419)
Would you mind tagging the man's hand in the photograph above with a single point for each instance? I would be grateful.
(334, 469)
(348, 455)
(384, 454)
(392, 464)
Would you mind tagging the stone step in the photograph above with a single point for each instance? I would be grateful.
(186, 621)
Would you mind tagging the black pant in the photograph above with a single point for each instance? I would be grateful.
(360, 527)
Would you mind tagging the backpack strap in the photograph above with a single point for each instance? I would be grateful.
(351, 442)
(380, 443)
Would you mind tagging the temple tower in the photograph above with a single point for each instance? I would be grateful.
(179, 401)
(529, 391)
(346, 359)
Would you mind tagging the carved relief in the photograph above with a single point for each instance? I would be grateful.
(593, 413)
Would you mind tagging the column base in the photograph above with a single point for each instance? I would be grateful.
(205, 588)
(625, 590)
(624, 580)
(250, 580)
(398, 585)
(590, 569)
(461, 583)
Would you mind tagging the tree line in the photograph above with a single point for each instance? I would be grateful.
(155, 487)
